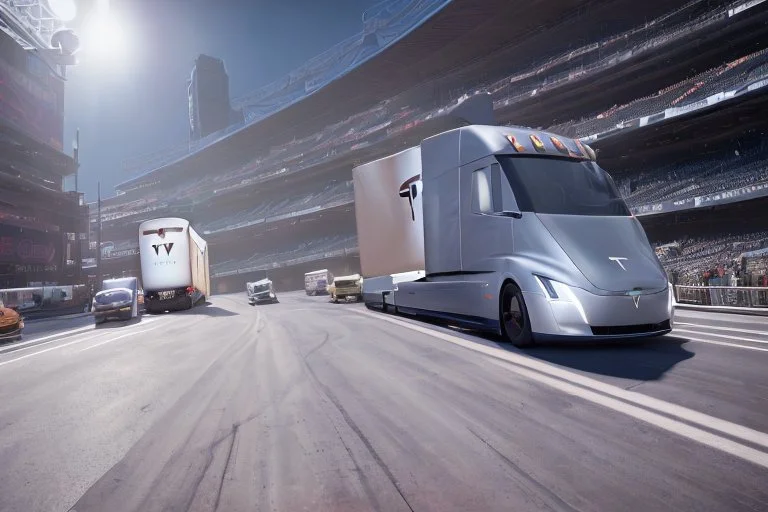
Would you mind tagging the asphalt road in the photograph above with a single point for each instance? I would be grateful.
(307, 405)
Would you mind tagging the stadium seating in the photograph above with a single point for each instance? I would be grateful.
(384, 120)
(388, 23)
(322, 248)
(723, 171)
(694, 256)
(333, 193)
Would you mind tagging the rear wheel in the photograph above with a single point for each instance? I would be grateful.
(513, 316)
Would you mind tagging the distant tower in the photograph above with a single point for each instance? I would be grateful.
(208, 92)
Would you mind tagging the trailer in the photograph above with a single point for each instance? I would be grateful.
(317, 282)
(509, 230)
(174, 265)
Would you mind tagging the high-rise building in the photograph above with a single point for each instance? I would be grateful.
(42, 227)
(208, 92)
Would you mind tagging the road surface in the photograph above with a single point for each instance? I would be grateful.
(307, 405)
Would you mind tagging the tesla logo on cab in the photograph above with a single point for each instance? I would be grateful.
(408, 189)
(167, 247)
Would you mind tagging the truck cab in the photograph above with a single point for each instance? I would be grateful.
(518, 232)
(260, 292)
(118, 299)
(346, 288)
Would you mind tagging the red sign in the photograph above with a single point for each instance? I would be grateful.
(28, 247)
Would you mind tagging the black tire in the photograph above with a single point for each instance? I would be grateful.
(513, 317)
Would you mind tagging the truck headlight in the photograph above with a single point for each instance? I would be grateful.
(556, 291)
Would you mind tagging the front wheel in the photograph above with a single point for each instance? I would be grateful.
(513, 317)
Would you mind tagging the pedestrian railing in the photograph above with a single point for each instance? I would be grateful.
(730, 296)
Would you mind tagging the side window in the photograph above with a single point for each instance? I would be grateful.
(482, 198)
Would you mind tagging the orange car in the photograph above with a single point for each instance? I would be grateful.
(11, 323)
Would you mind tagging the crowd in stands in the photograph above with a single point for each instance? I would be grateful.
(727, 77)
(697, 260)
(322, 248)
(726, 170)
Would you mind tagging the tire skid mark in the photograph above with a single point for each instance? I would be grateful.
(329, 396)
(559, 503)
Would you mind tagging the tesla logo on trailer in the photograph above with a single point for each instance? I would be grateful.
(167, 246)
(619, 261)
(408, 189)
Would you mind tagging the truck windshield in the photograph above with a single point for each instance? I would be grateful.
(113, 296)
(260, 288)
(563, 187)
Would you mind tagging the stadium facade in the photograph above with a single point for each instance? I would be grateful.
(42, 228)
(671, 98)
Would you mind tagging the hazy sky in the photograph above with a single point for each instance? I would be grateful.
(137, 103)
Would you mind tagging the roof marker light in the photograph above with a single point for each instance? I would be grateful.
(591, 153)
(518, 147)
(559, 145)
(581, 148)
(537, 144)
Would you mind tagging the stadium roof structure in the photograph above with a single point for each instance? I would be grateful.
(462, 32)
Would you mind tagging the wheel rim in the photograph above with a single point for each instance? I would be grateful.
(514, 320)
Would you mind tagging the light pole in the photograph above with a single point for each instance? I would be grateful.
(98, 239)
(76, 155)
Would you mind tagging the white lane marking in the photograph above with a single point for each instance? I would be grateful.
(719, 328)
(82, 340)
(711, 422)
(36, 342)
(18, 346)
(663, 422)
(115, 339)
(734, 345)
(726, 336)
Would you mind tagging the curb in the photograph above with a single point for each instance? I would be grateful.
(724, 309)
(55, 317)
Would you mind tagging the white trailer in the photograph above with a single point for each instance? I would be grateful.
(317, 282)
(510, 230)
(174, 265)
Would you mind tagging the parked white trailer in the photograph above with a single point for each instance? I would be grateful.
(510, 230)
(317, 282)
(174, 265)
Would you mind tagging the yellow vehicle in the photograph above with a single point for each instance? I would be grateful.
(11, 323)
(346, 287)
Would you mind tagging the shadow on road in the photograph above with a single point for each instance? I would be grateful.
(117, 324)
(213, 311)
(640, 359)
(648, 359)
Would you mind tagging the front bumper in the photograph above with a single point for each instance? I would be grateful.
(266, 297)
(347, 292)
(114, 312)
(579, 314)
(12, 332)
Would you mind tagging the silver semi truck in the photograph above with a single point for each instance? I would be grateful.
(174, 265)
(510, 230)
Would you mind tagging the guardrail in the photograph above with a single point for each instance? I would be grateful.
(725, 296)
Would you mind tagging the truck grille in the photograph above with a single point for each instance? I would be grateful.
(618, 330)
